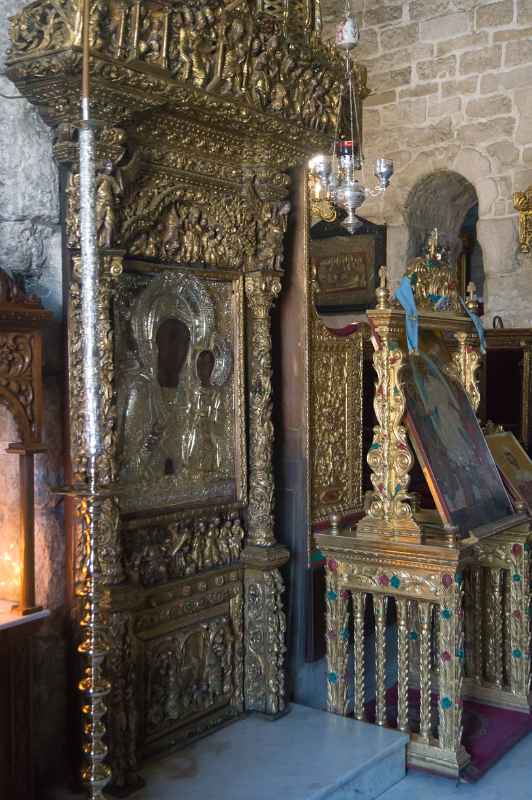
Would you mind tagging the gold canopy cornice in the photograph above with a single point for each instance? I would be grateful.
(242, 79)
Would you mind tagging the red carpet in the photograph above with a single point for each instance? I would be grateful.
(489, 732)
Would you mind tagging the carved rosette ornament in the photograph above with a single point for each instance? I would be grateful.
(261, 291)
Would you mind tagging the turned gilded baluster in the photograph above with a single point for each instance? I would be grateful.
(358, 650)
(478, 649)
(402, 663)
(507, 644)
(494, 628)
(380, 603)
(424, 670)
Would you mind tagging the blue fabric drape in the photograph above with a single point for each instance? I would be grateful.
(405, 296)
(475, 319)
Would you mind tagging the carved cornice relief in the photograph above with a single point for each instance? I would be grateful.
(230, 68)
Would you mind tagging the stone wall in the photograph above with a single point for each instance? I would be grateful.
(451, 85)
(30, 247)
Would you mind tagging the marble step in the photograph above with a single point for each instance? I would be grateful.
(305, 755)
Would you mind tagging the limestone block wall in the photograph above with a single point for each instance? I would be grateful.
(451, 85)
(30, 246)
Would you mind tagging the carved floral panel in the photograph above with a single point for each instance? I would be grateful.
(335, 422)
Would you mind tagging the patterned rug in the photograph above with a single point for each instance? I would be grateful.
(489, 732)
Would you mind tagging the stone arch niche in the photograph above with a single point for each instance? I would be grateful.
(440, 200)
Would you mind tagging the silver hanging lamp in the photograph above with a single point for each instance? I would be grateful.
(335, 183)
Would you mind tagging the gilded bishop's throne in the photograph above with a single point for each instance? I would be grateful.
(199, 110)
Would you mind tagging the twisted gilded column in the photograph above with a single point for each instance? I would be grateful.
(359, 599)
(494, 628)
(389, 456)
(425, 618)
(402, 663)
(264, 619)
(261, 291)
(380, 604)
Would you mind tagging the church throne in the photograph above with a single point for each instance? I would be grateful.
(459, 594)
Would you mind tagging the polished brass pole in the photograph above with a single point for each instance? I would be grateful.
(94, 687)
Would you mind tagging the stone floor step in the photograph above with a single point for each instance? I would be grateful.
(305, 755)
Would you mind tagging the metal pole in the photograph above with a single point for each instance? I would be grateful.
(95, 773)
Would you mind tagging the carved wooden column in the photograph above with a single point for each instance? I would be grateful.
(519, 608)
(264, 619)
(261, 291)
(337, 604)
(451, 657)
(389, 456)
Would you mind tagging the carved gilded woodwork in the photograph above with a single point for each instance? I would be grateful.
(359, 672)
(199, 112)
(523, 204)
(467, 361)
(497, 638)
(337, 636)
(390, 457)
(335, 420)
(175, 664)
(186, 546)
(21, 317)
(429, 281)
(265, 629)
(422, 582)
(261, 291)
(229, 62)
(186, 673)
(123, 716)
